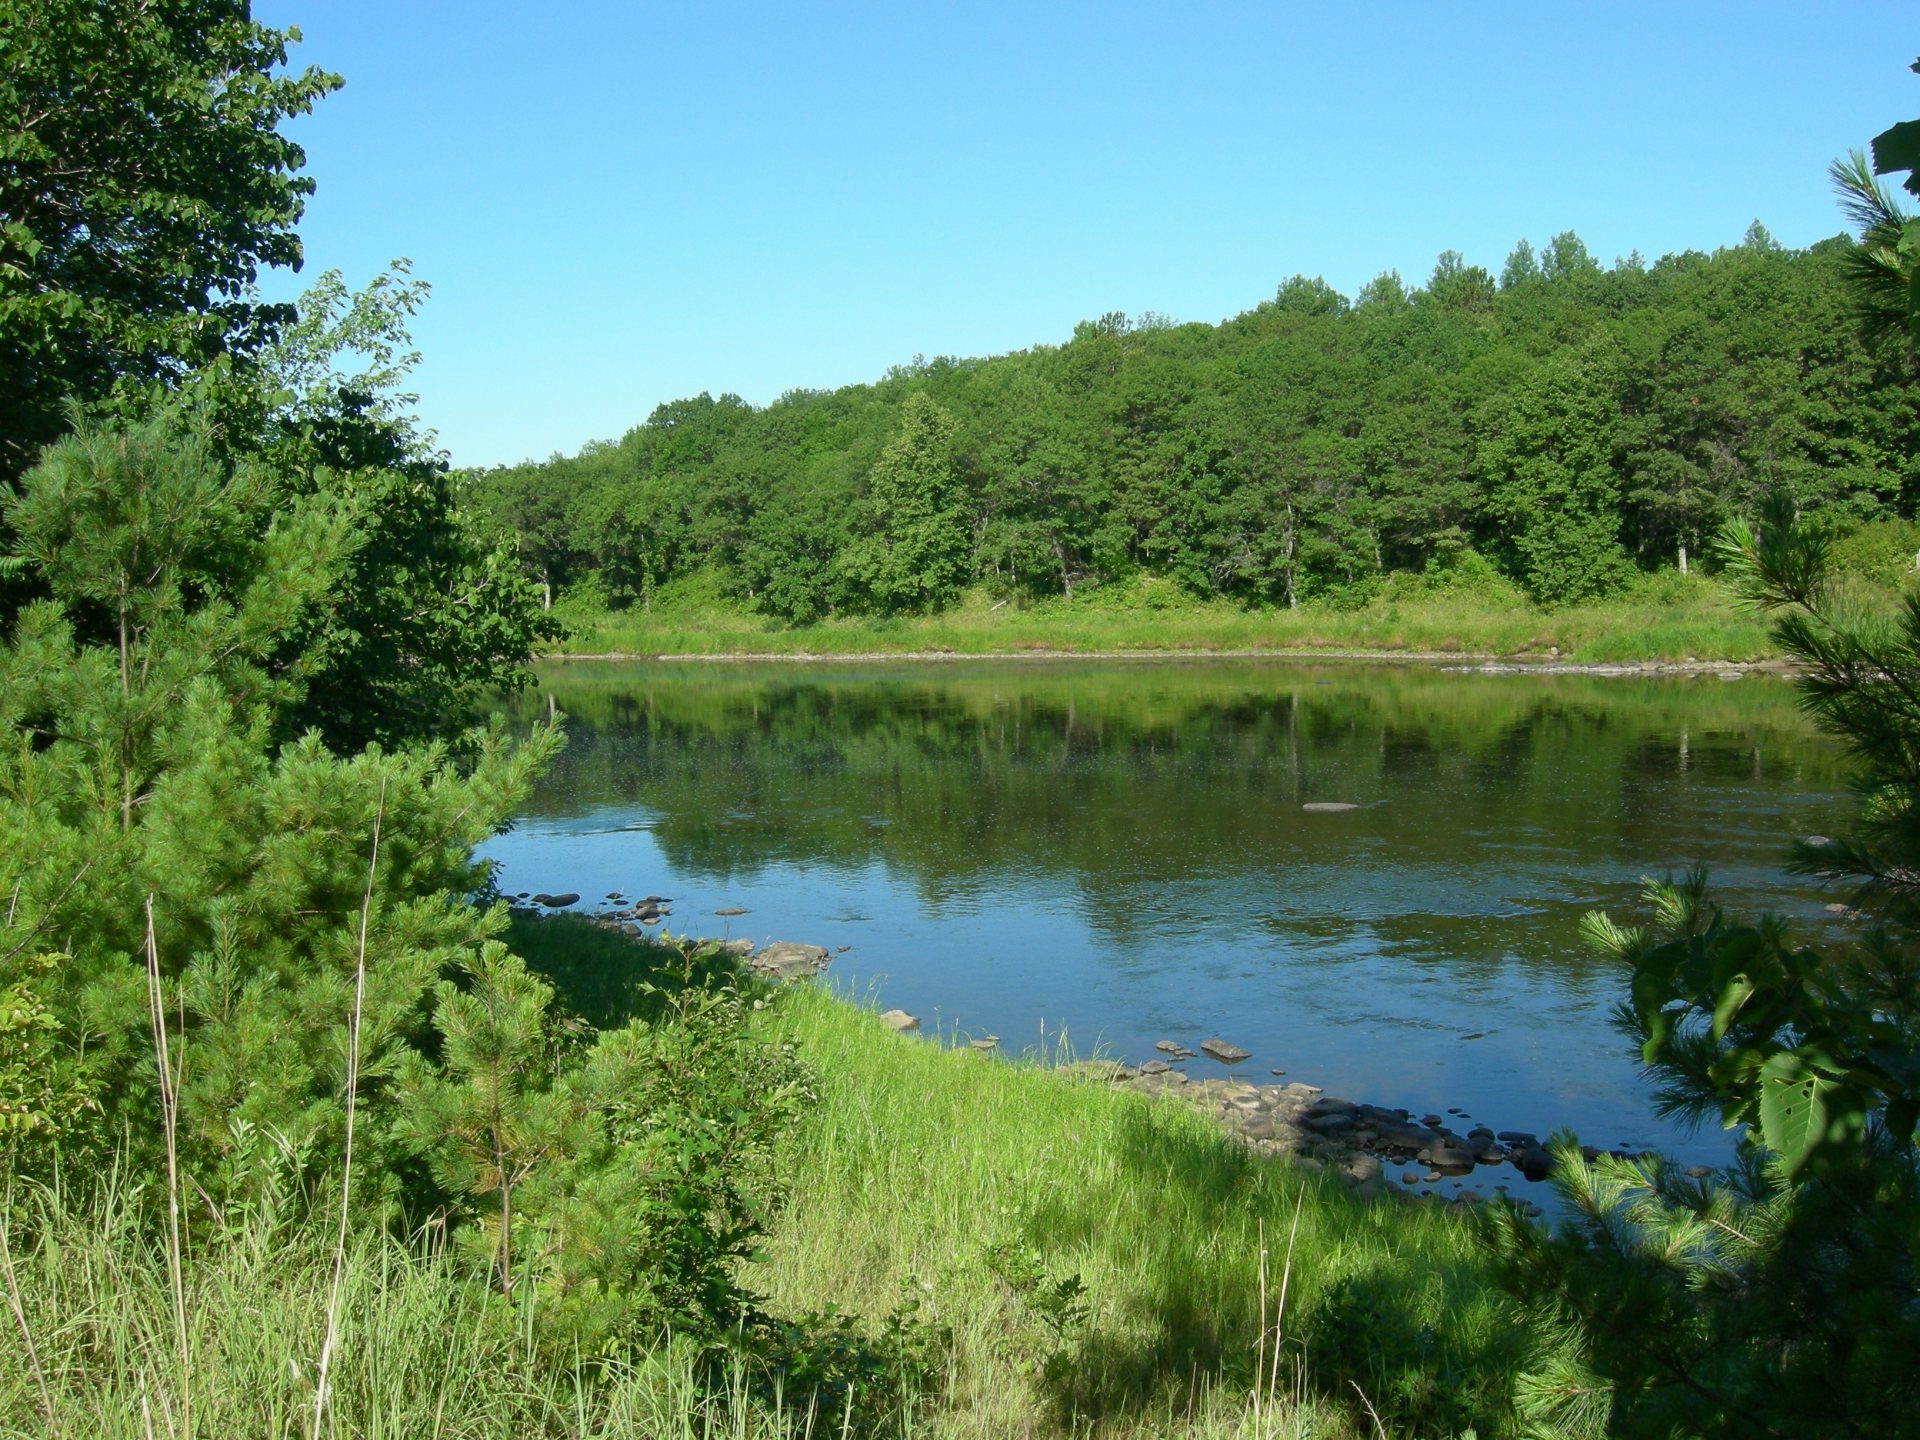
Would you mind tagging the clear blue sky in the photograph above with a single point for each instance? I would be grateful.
(619, 204)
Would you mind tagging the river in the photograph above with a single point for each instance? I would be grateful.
(1118, 851)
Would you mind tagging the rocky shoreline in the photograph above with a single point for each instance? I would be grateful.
(1354, 1140)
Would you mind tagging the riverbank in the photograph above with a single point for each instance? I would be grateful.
(1664, 619)
(1092, 1257)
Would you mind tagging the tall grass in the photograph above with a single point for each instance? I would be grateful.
(1084, 1261)
(979, 1188)
(1662, 618)
(424, 1351)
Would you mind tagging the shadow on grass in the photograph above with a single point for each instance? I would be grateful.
(1413, 1322)
(608, 977)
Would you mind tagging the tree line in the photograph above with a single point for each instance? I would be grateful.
(1566, 421)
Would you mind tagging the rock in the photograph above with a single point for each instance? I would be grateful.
(1171, 1047)
(841, 949)
(789, 960)
(1481, 1132)
(523, 895)
(556, 902)
(1518, 1137)
(1155, 1067)
(1836, 908)
(742, 948)
(1276, 1072)
(1448, 1156)
(1699, 1172)
(1225, 1052)
(1432, 1122)
(1531, 1161)
(984, 1043)
(1360, 1171)
(1327, 1104)
(1328, 807)
(656, 899)
(732, 910)
(1105, 1071)
(1332, 1123)
(1817, 842)
(899, 1020)
(614, 895)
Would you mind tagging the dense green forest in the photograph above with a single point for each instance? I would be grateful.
(1566, 422)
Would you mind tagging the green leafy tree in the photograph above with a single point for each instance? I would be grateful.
(143, 183)
(1548, 459)
(917, 554)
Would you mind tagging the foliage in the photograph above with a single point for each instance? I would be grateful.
(140, 769)
(1572, 425)
(143, 183)
(913, 552)
(1779, 1300)
(623, 1178)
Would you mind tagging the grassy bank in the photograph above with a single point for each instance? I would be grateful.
(1059, 1258)
(988, 1189)
(1663, 617)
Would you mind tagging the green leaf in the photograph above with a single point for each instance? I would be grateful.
(1733, 997)
(1803, 1113)
(1897, 148)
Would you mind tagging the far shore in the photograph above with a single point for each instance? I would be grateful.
(1483, 663)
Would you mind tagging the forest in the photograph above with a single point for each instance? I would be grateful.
(1566, 423)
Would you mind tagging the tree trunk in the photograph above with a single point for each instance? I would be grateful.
(546, 591)
(1683, 557)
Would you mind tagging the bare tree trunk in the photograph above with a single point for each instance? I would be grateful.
(1683, 557)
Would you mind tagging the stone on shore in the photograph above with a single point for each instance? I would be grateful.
(899, 1020)
(789, 960)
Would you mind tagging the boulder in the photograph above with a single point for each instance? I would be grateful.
(899, 1020)
(789, 960)
(557, 902)
(1224, 1051)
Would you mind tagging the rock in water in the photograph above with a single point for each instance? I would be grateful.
(1170, 1047)
(1155, 1067)
(733, 910)
(557, 902)
(899, 1020)
(1328, 807)
(1225, 1053)
(787, 960)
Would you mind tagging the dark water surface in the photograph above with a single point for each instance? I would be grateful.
(1119, 849)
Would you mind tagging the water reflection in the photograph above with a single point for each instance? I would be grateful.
(1121, 848)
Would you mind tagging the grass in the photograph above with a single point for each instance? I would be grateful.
(980, 1187)
(1082, 1261)
(1662, 617)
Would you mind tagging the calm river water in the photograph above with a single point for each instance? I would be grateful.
(1119, 850)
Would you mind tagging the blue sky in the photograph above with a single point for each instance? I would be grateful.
(620, 204)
